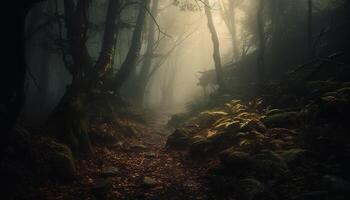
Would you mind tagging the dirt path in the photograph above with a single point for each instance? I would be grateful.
(146, 170)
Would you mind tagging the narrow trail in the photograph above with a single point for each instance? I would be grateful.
(145, 170)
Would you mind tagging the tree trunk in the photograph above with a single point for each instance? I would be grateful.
(147, 63)
(310, 29)
(76, 25)
(12, 82)
(69, 119)
(216, 47)
(261, 36)
(233, 31)
(130, 61)
(104, 63)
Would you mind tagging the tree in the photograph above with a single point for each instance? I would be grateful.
(262, 42)
(130, 61)
(216, 47)
(229, 16)
(104, 63)
(12, 82)
(148, 56)
(309, 29)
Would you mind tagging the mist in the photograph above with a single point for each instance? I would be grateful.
(175, 99)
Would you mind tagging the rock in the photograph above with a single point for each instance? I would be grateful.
(336, 185)
(235, 159)
(222, 140)
(199, 148)
(313, 195)
(253, 125)
(178, 140)
(293, 156)
(110, 171)
(101, 188)
(282, 120)
(334, 107)
(150, 154)
(138, 147)
(207, 118)
(269, 165)
(251, 189)
(278, 133)
(149, 182)
(58, 160)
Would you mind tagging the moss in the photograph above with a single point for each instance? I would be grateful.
(282, 120)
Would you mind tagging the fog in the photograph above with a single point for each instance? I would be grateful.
(190, 58)
(181, 50)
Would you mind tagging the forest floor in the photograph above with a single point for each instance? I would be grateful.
(144, 169)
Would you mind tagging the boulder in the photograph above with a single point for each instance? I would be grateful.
(251, 189)
(269, 165)
(293, 156)
(336, 185)
(199, 148)
(312, 195)
(334, 107)
(149, 182)
(282, 120)
(58, 160)
(101, 188)
(279, 133)
(178, 140)
(110, 171)
(236, 160)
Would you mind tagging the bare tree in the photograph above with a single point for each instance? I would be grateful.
(309, 28)
(130, 61)
(216, 47)
(261, 36)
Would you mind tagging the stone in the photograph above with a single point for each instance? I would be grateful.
(252, 189)
(149, 182)
(101, 188)
(293, 156)
(199, 148)
(312, 195)
(150, 154)
(236, 159)
(269, 165)
(59, 160)
(178, 140)
(138, 147)
(336, 185)
(282, 120)
(110, 171)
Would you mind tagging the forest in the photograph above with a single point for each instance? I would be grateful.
(175, 100)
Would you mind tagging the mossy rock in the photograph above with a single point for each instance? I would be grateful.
(57, 160)
(236, 160)
(178, 140)
(199, 148)
(268, 164)
(282, 120)
(293, 157)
